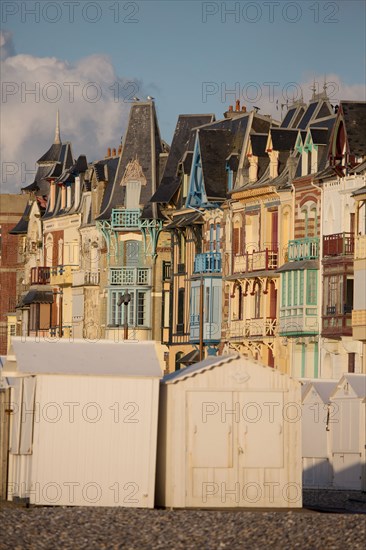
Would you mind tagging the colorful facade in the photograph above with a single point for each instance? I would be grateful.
(245, 234)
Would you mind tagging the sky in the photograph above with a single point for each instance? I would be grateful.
(90, 58)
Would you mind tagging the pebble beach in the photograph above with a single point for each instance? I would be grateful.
(331, 520)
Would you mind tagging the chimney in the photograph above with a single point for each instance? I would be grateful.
(237, 105)
(119, 150)
(108, 152)
(243, 109)
(114, 152)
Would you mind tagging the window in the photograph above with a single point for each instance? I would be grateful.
(132, 253)
(137, 309)
(257, 304)
(133, 189)
(311, 290)
(180, 320)
(292, 289)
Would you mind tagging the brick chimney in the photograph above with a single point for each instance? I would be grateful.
(119, 150)
(237, 105)
(108, 153)
(114, 152)
(243, 109)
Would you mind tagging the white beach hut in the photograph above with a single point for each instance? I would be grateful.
(83, 422)
(317, 414)
(229, 436)
(348, 432)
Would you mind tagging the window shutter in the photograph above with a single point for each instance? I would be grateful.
(236, 240)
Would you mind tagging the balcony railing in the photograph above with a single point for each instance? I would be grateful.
(62, 274)
(360, 247)
(252, 328)
(334, 323)
(303, 249)
(123, 219)
(339, 244)
(130, 276)
(208, 262)
(260, 260)
(40, 275)
(85, 278)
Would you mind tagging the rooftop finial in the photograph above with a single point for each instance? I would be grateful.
(57, 132)
(313, 89)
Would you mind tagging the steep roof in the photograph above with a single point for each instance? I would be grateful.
(142, 142)
(214, 146)
(21, 227)
(283, 139)
(354, 115)
(180, 145)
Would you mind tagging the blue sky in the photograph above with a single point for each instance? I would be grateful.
(171, 50)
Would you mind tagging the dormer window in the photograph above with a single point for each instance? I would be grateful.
(133, 190)
(133, 179)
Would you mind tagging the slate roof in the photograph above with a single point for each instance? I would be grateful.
(319, 136)
(35, 296)
(182, 140)
(309, 113)
(21, 227)
(48, 169)
(185, 219)
(258, 143)
(298, 265)
(360, 168)
(283, 139)
(354, 114)
(215, 146)
(137, 144)
(52, 155)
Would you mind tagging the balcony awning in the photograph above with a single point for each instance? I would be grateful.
(36, 297)
(190, 358)
(184, 220)
(302, 264)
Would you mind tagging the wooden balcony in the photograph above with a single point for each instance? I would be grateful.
(62, 274)
(40, 276)
(337, 323)
(338, 244)
(261, 260)
(130, 276)
(303, 249)
(208, 262)
(85, 278)
(124, 219)
(252, 328)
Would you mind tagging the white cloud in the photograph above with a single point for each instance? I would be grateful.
(93, 102)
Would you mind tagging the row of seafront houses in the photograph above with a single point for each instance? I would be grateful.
(245, 235)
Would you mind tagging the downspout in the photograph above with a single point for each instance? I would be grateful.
(320, 277)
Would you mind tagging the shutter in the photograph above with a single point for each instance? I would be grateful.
(236, 240)
(78, 306)
(242, 240)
